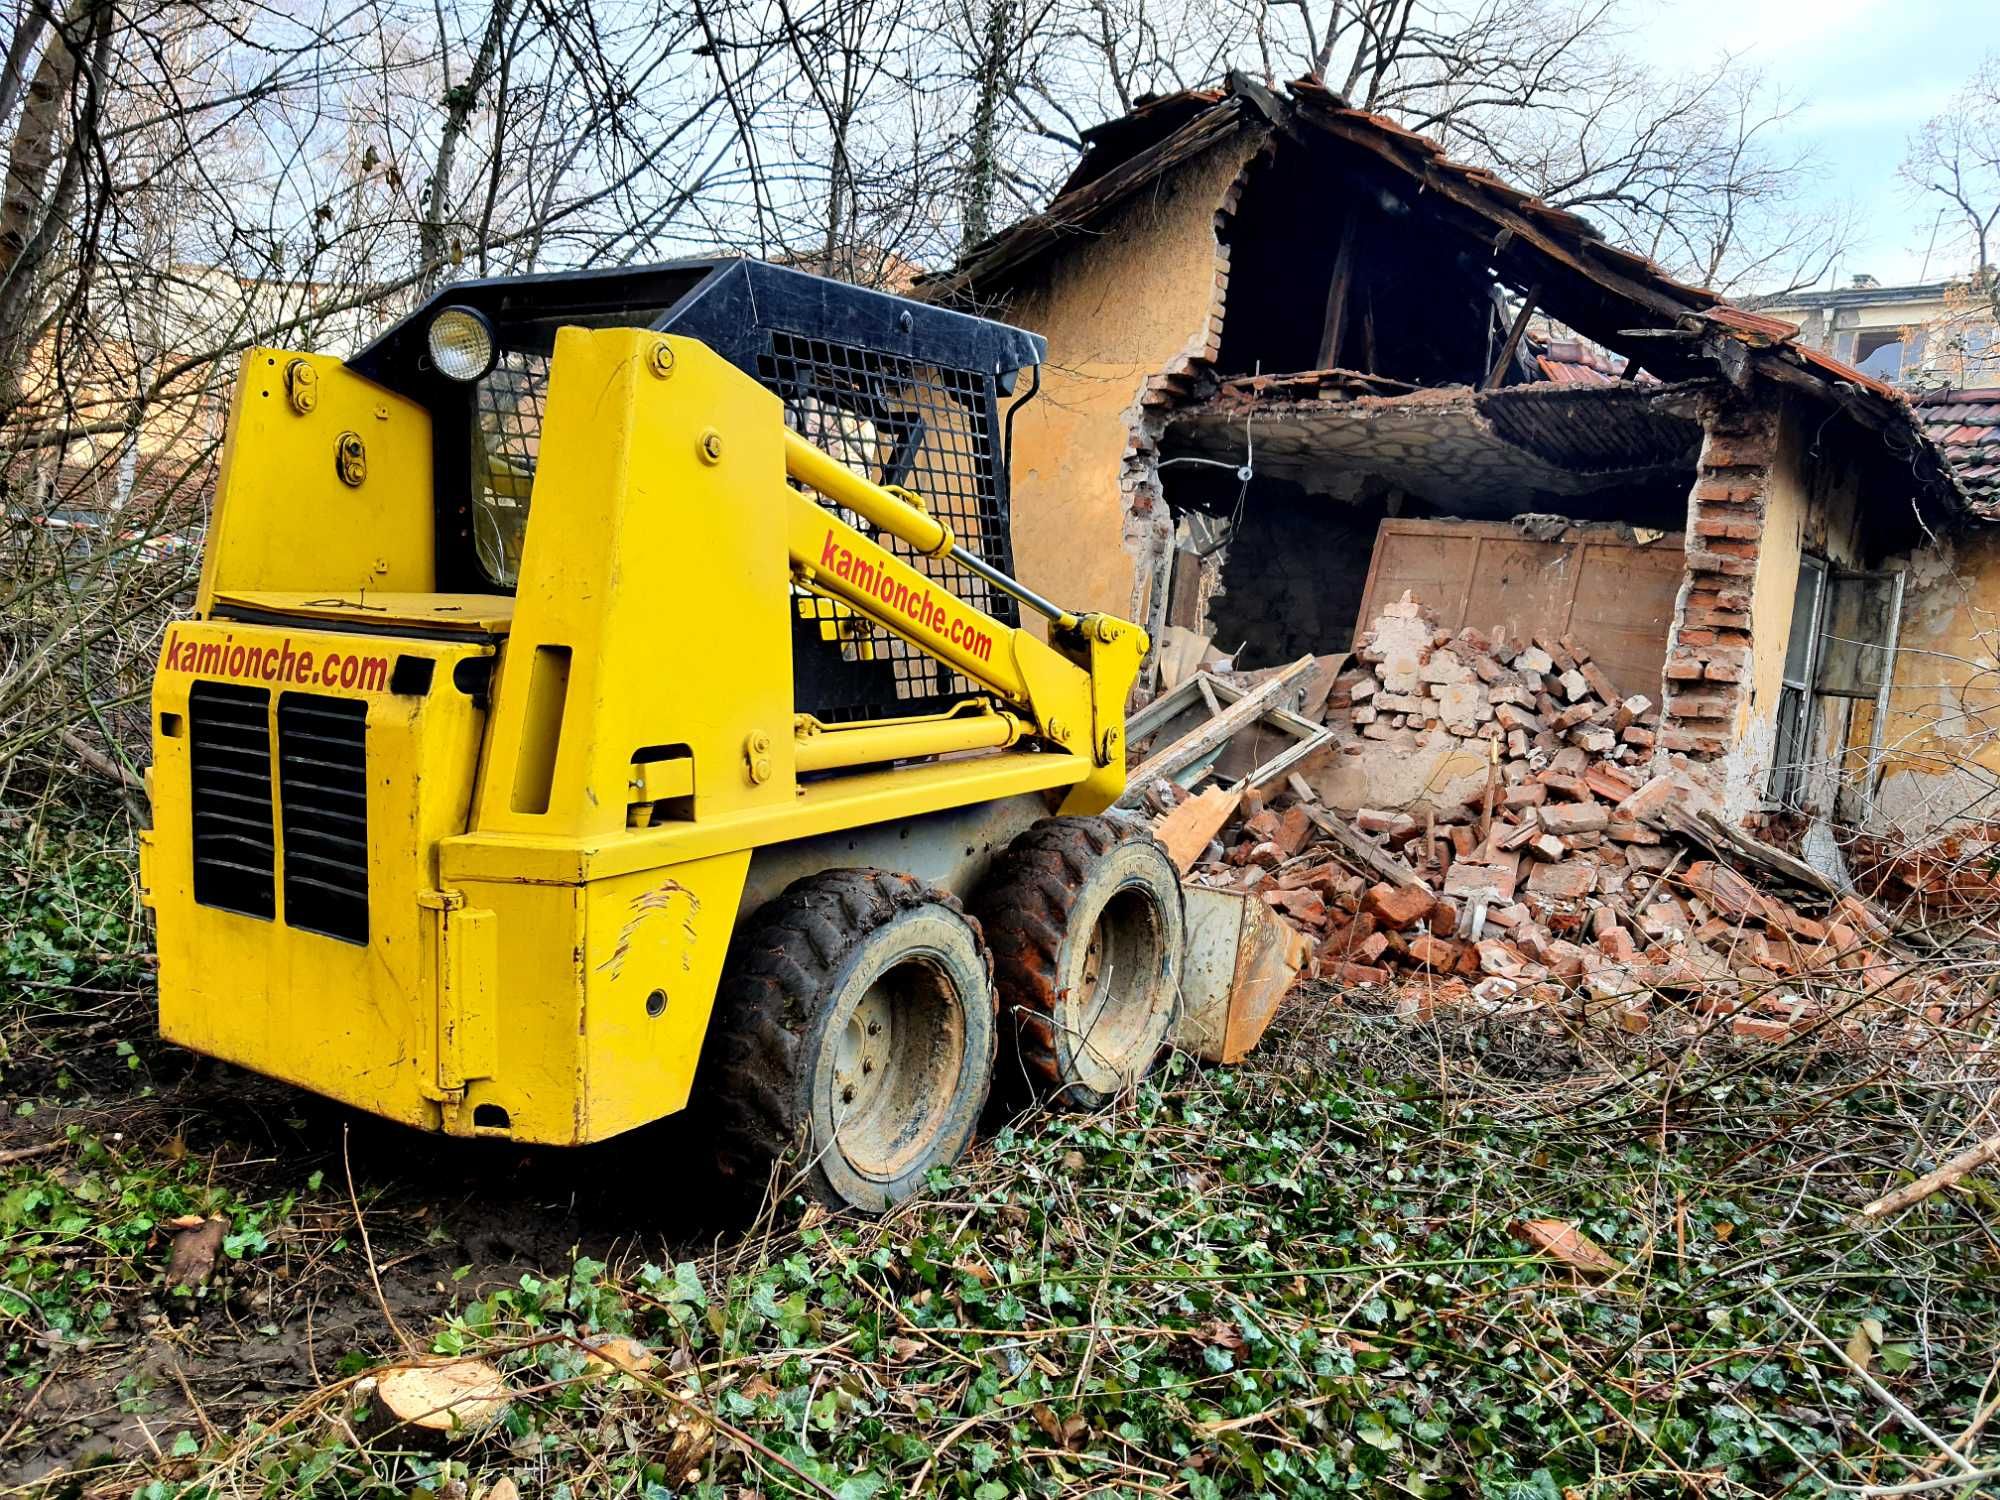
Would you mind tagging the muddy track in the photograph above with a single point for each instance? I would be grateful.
(446, 1219)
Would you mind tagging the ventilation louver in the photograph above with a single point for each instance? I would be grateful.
(323, 789)
(229, 758)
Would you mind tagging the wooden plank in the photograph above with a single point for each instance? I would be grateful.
(1336, 297)
(1209, 738)
(1284, 760)
(1187, 829)
(1624, 608)
(1521, 587)
(1615, 597)
(1432, 560)
(1369, 856)
(1162, 709)
(1280, 739)
(1513, 340)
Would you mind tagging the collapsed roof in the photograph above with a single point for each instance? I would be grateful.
(1520, 444)
(1615, 297)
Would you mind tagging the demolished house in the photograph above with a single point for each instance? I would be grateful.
(1303, 366)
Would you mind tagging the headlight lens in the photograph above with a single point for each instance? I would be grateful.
(461, 343)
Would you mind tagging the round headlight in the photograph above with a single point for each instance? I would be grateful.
(461, 343)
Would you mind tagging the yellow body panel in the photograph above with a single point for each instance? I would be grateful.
(565, 788)
(484, 614)
(284, 517)
(358, 1023)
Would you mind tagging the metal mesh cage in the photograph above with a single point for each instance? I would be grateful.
(927, 429)
(506, 442)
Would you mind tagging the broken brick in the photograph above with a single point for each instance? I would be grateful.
(1295, 828)
(1570, 880)
(1616, 945)
(1398, 906)
(1564, 818)
(1346, 972)
(1434, 952)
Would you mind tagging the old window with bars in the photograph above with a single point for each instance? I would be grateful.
(1842, 645)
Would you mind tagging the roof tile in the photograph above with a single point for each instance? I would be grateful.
(1966, 426)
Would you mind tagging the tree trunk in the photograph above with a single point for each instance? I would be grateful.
(31, 207)
(982, 167)
(459, 103)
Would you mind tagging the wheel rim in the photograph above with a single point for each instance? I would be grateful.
(898, 1053)
(1114, 1002)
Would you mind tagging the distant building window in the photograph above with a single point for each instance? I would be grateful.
(1880, 353)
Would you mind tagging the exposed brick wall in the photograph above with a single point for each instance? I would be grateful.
(1708, 654)
(1292, 576)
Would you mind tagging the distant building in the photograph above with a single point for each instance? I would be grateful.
(72, 464)
(1922, 336)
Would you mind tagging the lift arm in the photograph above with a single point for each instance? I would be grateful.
(1072, 690)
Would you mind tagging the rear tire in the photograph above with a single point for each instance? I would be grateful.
(1086, 923)
(855, 1021)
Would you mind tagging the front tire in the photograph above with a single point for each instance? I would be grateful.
(1086, 921)
(855, 1020)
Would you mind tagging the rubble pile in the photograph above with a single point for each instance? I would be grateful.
(1536, 700)
(1569, 877)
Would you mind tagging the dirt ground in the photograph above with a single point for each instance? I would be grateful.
(443, 1218)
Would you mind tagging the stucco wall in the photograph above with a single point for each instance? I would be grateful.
(1131, 302)
(1942, 741)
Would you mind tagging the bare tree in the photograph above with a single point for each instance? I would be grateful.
(1955, 159)
(1691, 169)
(185, 180)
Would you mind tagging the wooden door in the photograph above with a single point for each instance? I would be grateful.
(1614, 595)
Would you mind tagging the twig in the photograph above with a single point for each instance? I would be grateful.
(1918, 1486)
(24, 1153)
(1961, 1165)
(368, 1250)
(1881, 1392)
(34, 1399)
(727, 1429)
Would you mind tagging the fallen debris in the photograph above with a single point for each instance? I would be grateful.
(1564, 874)
(1957, 1169)
(1190, 826)
(1565, 1242)
(619, 1353)
(197, 1243)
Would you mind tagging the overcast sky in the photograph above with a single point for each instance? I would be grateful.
(1869, 72)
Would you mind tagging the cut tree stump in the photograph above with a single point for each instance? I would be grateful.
(456, 1400)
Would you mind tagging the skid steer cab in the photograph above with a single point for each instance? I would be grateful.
(607, 691)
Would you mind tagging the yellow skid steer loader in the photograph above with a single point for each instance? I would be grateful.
(608, 689)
